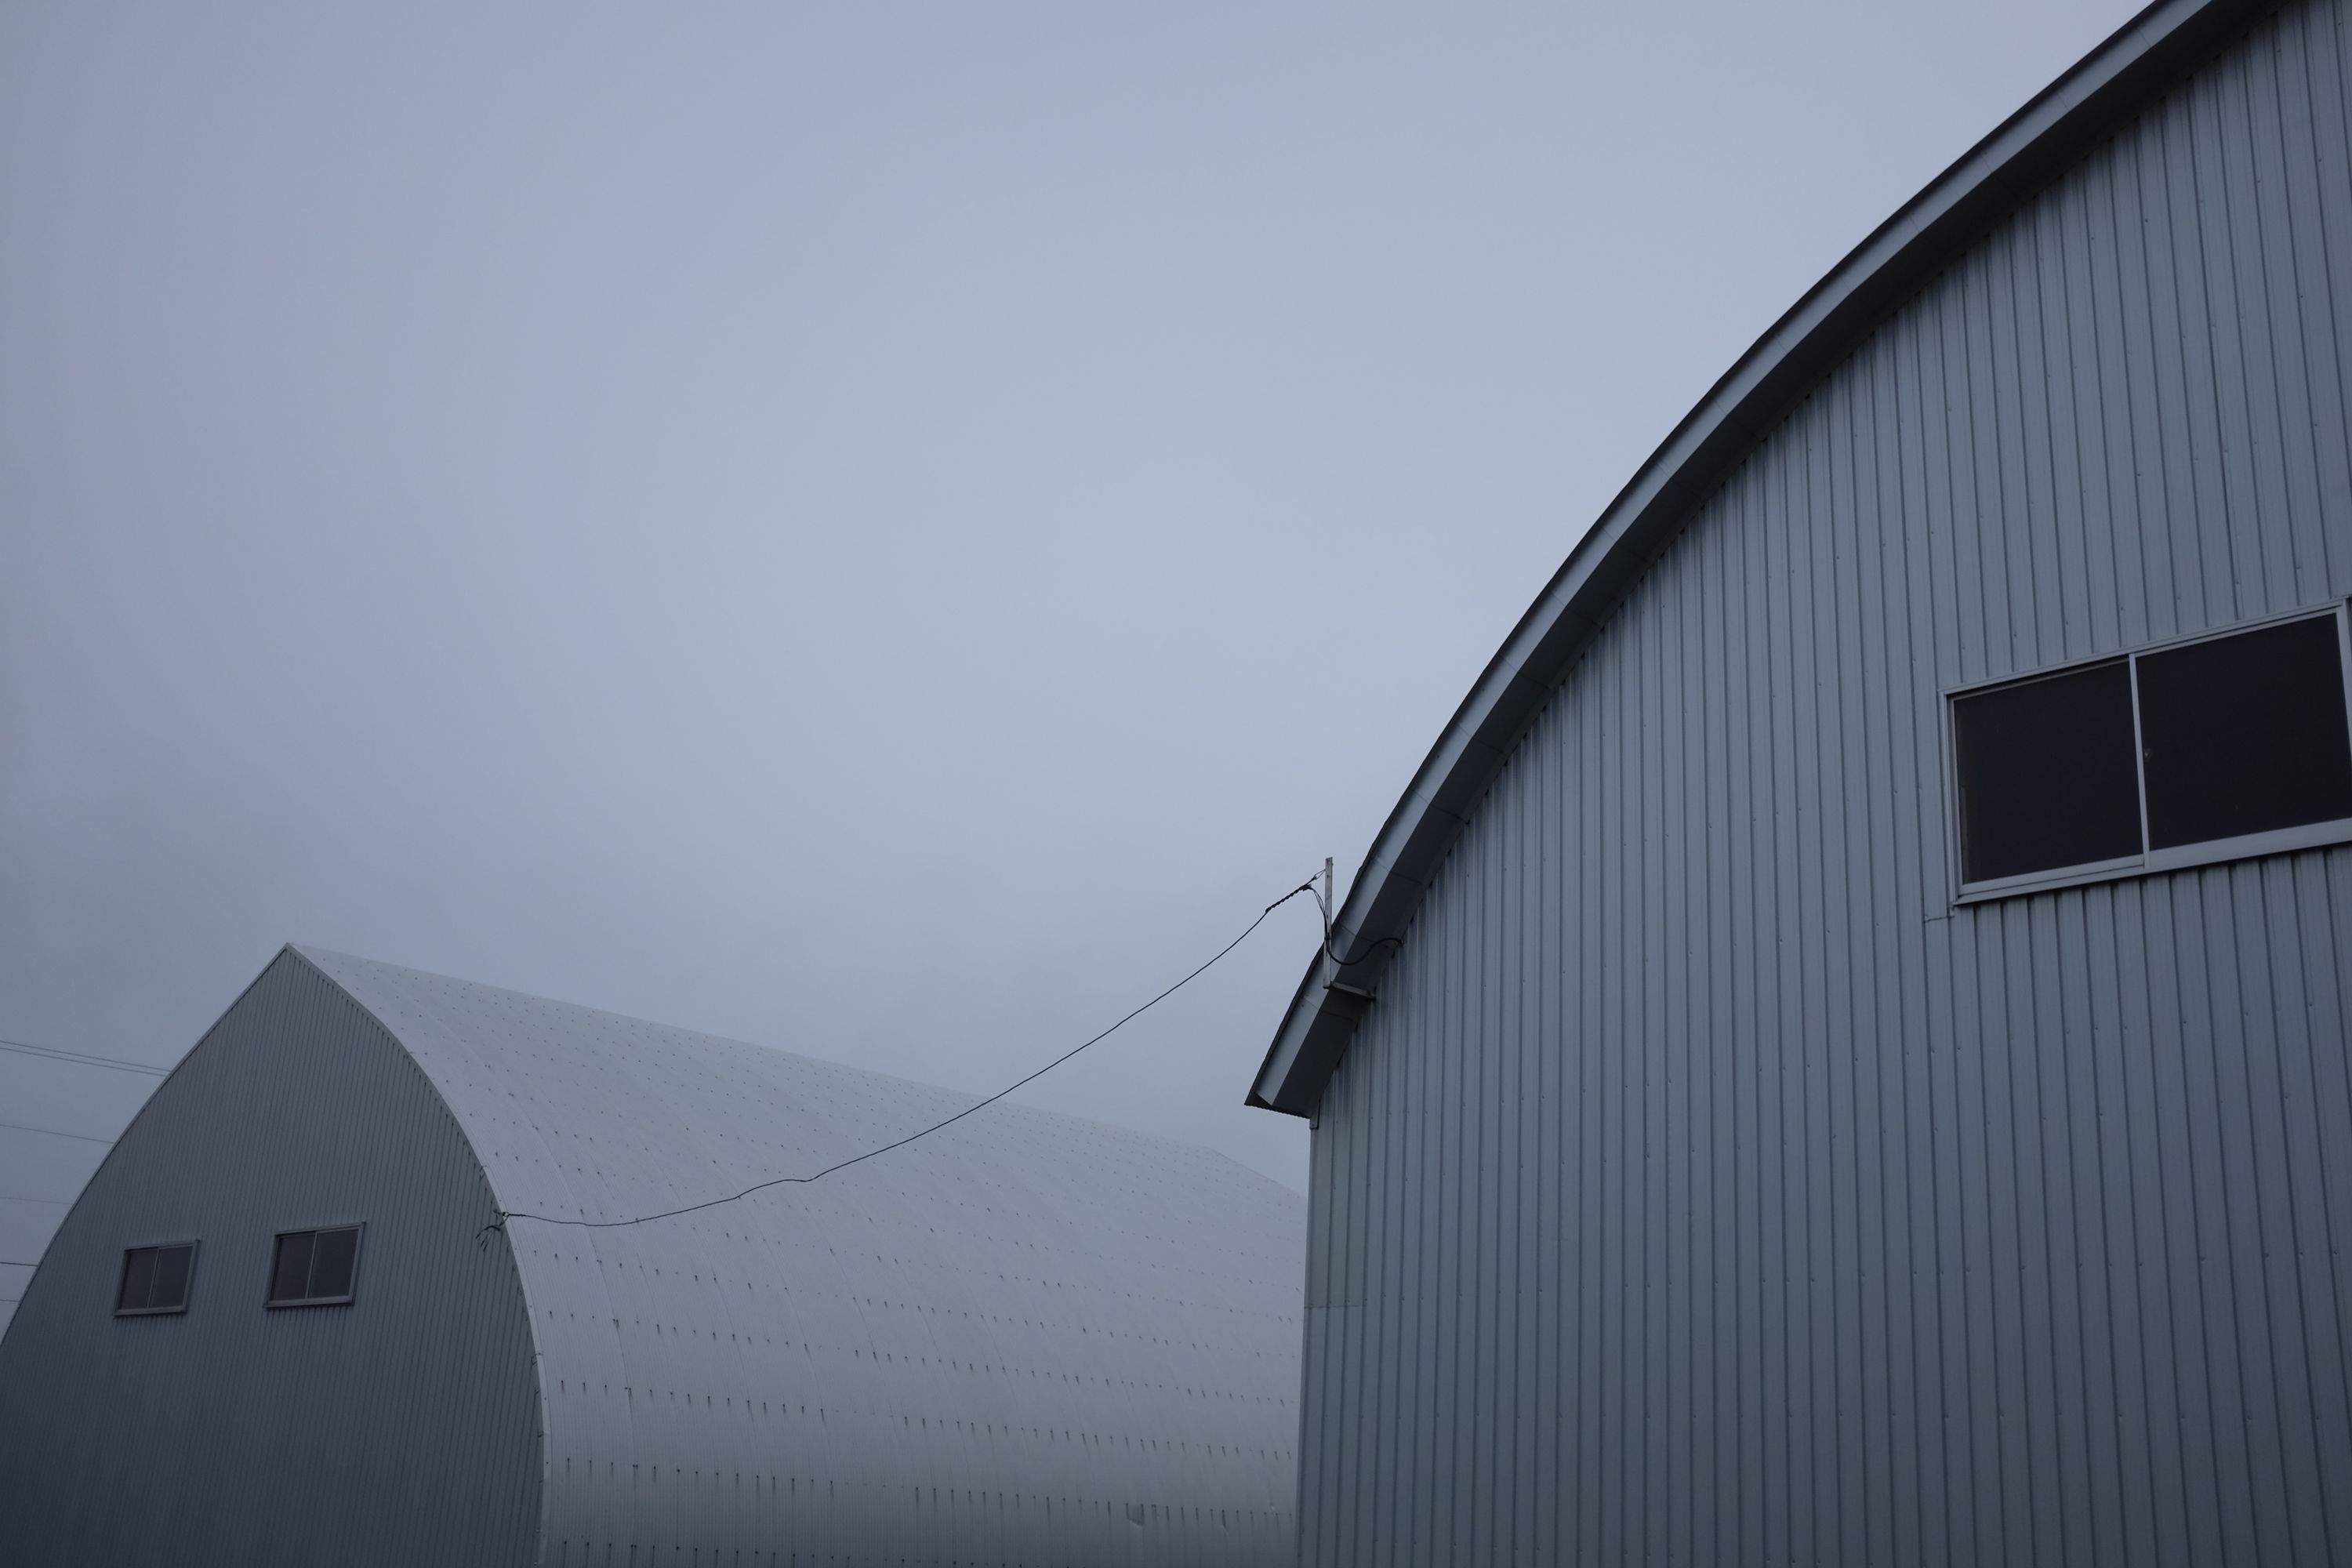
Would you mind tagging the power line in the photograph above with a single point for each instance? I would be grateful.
(54, 1133)
(1366, 956)
(505, 1215)
(84, 1057)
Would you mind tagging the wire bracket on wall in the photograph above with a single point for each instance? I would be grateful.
(500, 1216)
(1333, 964)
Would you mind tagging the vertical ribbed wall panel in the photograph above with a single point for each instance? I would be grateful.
(1705, 1187)
(403, 1428)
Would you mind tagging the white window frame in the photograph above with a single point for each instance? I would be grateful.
(2214, 852)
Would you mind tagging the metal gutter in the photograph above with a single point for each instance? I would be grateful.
(2140, 61)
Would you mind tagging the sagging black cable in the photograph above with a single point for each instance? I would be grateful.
(481, 1237)
(1366, 956)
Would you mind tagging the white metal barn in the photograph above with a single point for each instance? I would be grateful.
(273, 1328)
(1863, 1079)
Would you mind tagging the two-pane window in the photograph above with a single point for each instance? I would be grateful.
(155, 1279)
(314, 1268)
(308, 1269)
(2228, 745)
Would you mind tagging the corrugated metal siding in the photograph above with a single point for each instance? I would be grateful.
(1705, 1187)
(1028, 1338)
(404, 1428)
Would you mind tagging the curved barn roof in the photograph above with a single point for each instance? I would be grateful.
(2137, 63)
(1054, 1326)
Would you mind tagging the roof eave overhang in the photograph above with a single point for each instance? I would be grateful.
(2140, 61)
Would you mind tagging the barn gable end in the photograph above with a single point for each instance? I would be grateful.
(139, 1439)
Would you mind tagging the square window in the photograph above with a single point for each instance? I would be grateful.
(2245, 735)
(154, 1279)
(314, 1268)
(2047, 773)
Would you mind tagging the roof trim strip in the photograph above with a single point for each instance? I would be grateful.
(2140, 61)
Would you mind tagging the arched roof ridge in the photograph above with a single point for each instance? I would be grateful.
(939, 1285)
(2137, 63)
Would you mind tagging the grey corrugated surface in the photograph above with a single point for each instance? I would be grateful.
(1705, 1187)
(399, 1430)
(1818, 333)
(1028, 1338)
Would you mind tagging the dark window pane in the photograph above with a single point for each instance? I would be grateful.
(331, 1266)
(2046, 774)
(171, 1288)
(290, 1279)
(138, 1279)
(2245, 735)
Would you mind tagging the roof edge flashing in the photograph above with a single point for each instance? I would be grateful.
(531, 1307)
(2133, 64)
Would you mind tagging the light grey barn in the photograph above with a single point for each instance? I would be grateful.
(1864, 1079)
(273, 1328)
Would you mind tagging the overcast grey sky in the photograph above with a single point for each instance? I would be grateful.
(886, 530)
